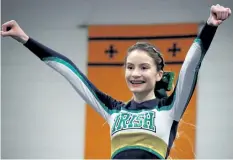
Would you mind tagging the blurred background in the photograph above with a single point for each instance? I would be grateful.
(43, 117)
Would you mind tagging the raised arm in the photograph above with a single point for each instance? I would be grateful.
(189, 71)
(101, 102)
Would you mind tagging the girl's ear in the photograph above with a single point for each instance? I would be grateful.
(159, 75)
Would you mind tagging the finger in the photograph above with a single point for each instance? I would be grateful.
(218, 5)
(4, 33)
(229, 11)
(4, 27)
(215, 11)
(226, 13)
(213, 8)
(218, 15)
(219, 22)
(219, 8)
(8, 24)
(223, 12)
(11, 22)
(223, 15)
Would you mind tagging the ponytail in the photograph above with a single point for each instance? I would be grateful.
(164, 85)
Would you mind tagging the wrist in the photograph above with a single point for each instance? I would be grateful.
(209, 22)
(23, 39)
(207, 34)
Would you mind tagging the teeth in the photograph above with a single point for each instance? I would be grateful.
(137, 82)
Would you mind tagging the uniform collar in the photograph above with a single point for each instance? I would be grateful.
(149, 104)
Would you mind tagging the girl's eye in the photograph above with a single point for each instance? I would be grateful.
(129, 67)
(144, 68)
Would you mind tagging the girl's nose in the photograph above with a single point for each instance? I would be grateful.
(136, 73)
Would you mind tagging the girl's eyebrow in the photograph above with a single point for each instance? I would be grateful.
(140, 63)
(129, 63)
(145, 64)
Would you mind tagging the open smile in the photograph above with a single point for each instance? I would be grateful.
(137, 82)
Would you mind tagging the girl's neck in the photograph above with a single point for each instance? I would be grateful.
(141, 97)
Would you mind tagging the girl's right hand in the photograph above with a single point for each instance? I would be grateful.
(12, 29)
